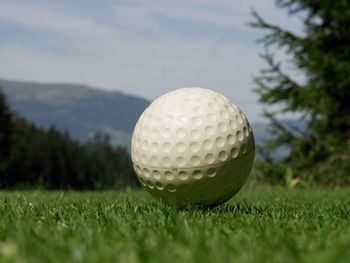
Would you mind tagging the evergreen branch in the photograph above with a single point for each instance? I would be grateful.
(276, 35)
(275, 86)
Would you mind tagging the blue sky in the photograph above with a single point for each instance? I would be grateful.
(139, 47)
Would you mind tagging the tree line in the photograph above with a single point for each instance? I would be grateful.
(34, 157)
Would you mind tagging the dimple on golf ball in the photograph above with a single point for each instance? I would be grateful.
(192, 146)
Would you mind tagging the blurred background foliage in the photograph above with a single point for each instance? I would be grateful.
(48, 158)
(318, 93)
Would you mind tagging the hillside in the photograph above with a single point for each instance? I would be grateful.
(79, 109)
(84, 111)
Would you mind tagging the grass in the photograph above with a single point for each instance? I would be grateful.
(270, 225)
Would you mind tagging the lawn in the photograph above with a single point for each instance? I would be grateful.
(258, 225)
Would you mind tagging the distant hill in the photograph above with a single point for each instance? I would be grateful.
(83, 111)
(79, 109)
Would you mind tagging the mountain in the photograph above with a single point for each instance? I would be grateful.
(81, 110)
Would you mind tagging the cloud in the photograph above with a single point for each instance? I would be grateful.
(45, 19)
(140, 47)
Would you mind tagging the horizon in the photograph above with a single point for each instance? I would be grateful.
(262, 121)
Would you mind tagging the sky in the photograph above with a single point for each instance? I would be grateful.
(139, 47)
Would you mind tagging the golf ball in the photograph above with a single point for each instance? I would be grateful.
(192, 146)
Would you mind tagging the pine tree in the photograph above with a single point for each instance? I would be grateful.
(31, 156)
(5, 133)
(322, 55)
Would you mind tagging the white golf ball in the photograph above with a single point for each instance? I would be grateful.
(193, 146)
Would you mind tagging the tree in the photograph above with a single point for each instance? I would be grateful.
(31, 156)
(5, 133)
(51, 159)
(322, 54)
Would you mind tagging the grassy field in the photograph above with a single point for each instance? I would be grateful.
(258, 225)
